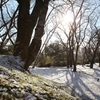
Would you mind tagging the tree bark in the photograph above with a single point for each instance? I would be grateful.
(26, 23)
(91, 64)
(39, 32)
(75, 60)
(94, 55)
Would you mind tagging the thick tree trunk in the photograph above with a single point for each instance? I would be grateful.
(36, 42)
(26, 23)
(22, 24)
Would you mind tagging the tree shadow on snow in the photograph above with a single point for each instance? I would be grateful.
(78, 86)
(47, 71)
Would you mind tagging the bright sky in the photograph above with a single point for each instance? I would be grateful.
(67, 18)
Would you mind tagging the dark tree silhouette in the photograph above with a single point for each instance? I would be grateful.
(26, 23)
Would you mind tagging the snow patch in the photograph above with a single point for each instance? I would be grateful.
(85, 82)
(11, 62)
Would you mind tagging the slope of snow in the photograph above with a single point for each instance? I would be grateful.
(11, 62)
(85, 82)
(18, 85)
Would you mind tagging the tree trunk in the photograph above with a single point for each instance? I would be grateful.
(75, 59)
(91, 64)
(26, 23)
(32, 53)
(23, 17)
(68, 58)
(94, 55)
(99, 59)
(36, 42)
(74, 62)
(74, 69)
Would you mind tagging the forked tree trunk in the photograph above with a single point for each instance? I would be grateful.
(36, 42)
(26, 23)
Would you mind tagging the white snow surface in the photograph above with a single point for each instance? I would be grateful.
(85, 82)
(11, 62)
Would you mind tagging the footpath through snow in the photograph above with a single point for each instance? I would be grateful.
(85, 83)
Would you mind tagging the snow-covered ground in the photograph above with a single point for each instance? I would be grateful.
(85, 82)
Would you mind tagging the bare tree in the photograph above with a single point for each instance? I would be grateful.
(78, 28)
(28, 18)
(92, 47)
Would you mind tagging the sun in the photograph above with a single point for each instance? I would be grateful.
(67, 18)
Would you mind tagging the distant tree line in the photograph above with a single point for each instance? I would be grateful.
(56, 54)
